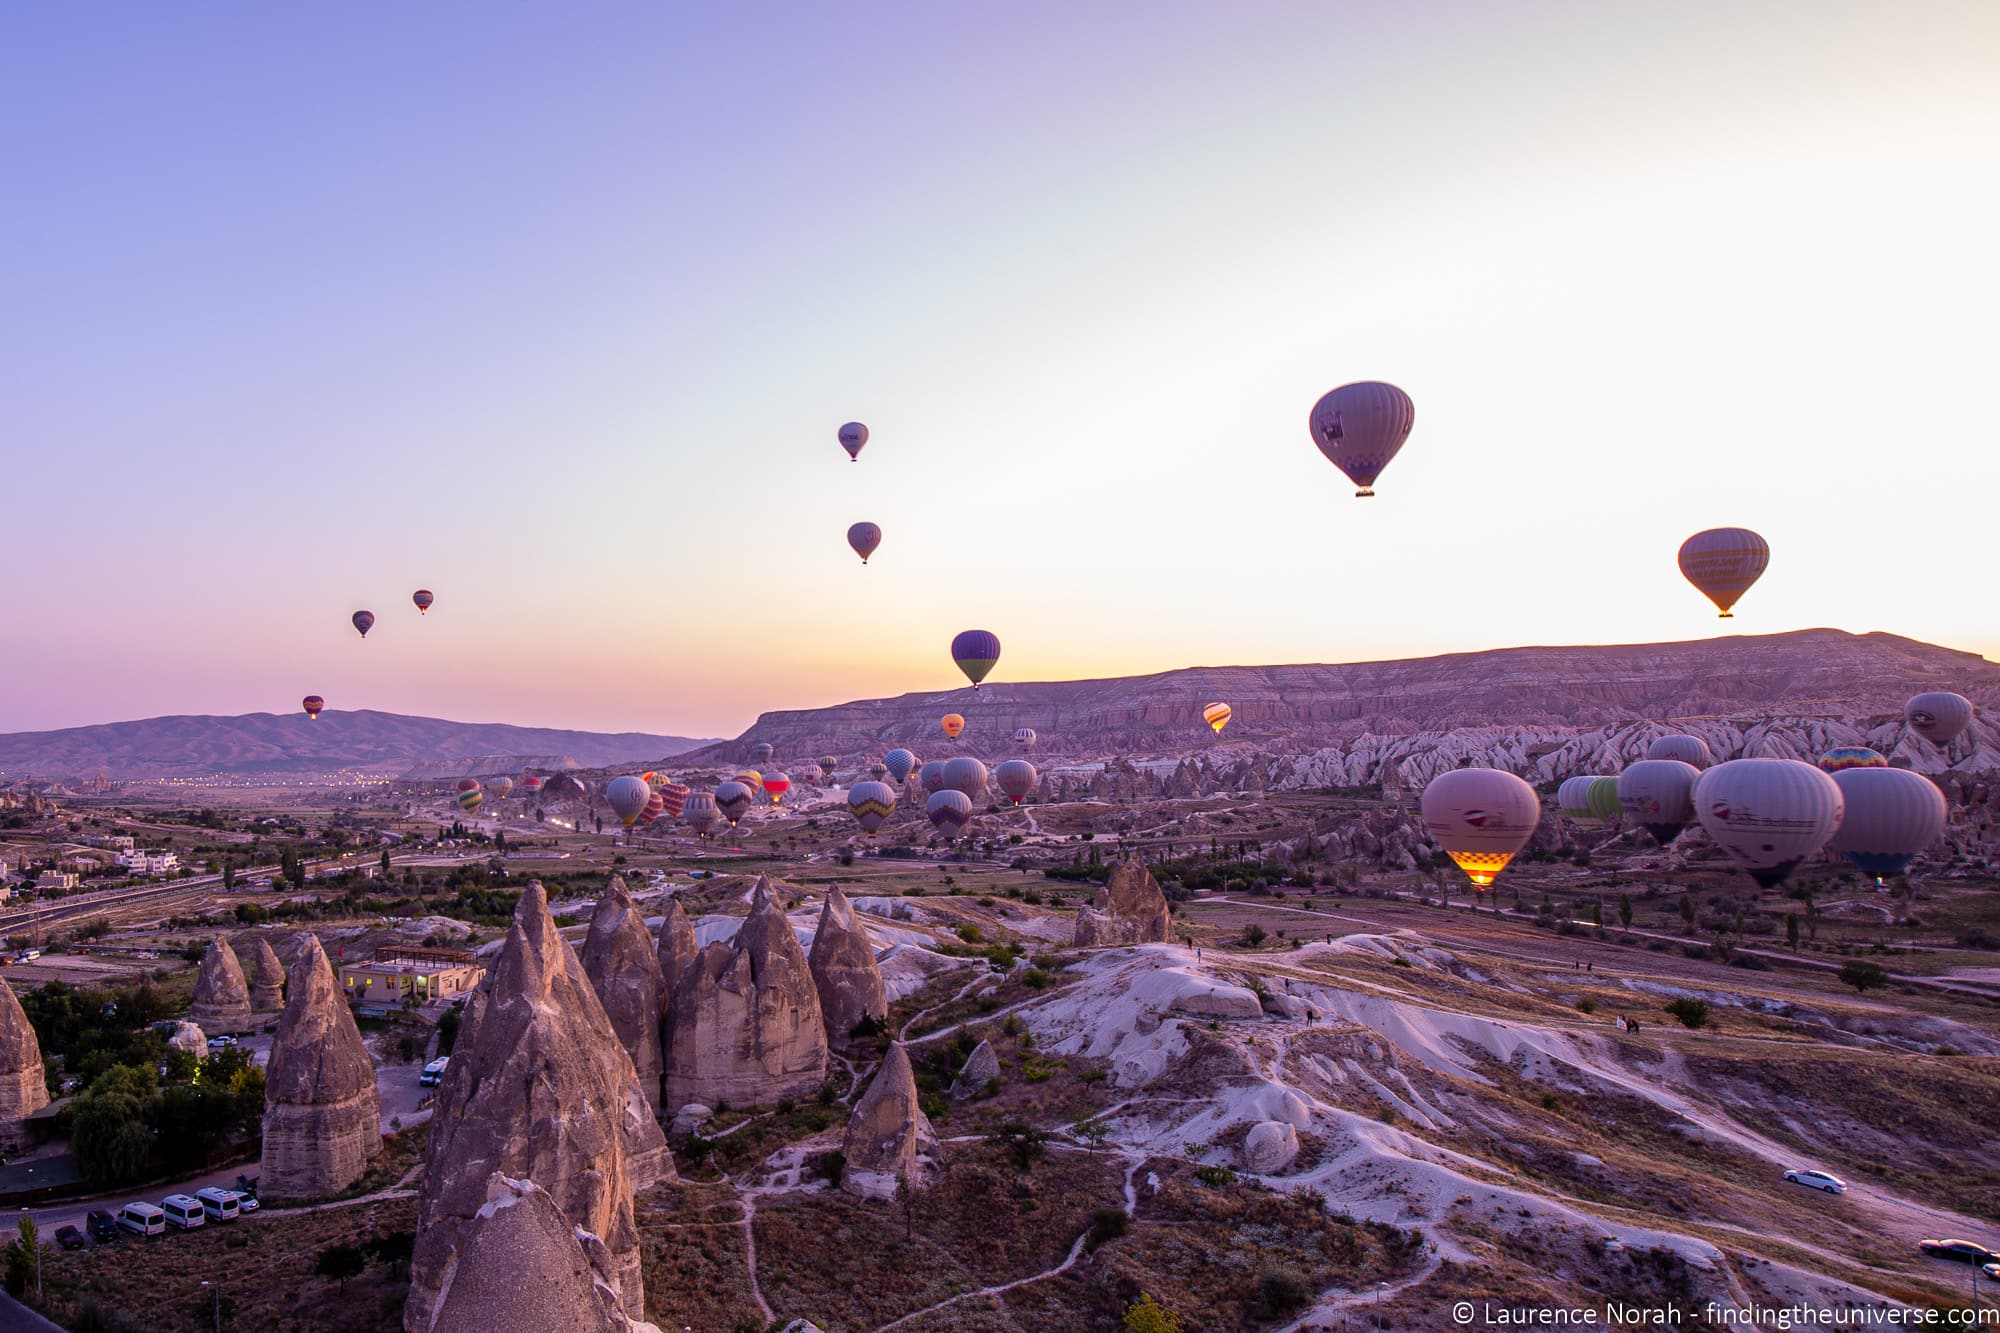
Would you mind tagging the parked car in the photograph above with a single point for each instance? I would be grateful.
(1814, 1178)
(102, 1226)
(221, 1043)
(143, 1219)
(217, 1205)
(1959, 1252)
(1991, 1270)
(69, 1237)
(246, 1203)
(184, 1211)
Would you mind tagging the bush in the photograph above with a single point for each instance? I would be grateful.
(1217, 1176)
(1146, 1315)
(1692, 1013)
(1586, 1005)
(1862, 975)
(1279, 1292)
(1107, 1224)
(830, 1165)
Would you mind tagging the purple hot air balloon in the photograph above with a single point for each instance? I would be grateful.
(976, 651)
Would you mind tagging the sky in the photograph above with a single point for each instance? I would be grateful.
(556, 311)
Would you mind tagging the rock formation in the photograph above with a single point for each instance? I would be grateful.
(188, 1037)
(268, 996)
(523, 1267)
(1129, 909)
(844, 971)
(981, 1068)
(746, 1025)
(22, 1089)
(888, 1135)
(675, 956)
(540, 1089)
(1270, 1146)
(322, 1115)
(618, 957)
(221, 995)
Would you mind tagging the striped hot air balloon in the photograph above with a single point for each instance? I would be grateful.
(977, 652)
(1768, 814)
(827, 763)
(1573, 796)
(1889, 816)
(1687, 749)
(1025, 738)
(470, 794)
(532, 784)
(953, 724)
(871, 803)
(1015, 779)
(775, 787)
(1217, 717)
(899, 762)
(313, 704)
(423, 597)
(1482, 818)
(950, 811)
(656, 805)
(500, 787)
(752, 779)
(1360, 427)
(1723, 563)
(1603, 800)
(674, 798)
(733, 799)
(877, 771)
(1843, 757)
(1659, 795)
(701, 814)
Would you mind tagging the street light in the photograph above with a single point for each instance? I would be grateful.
(218, 1303)
(1378, 1305)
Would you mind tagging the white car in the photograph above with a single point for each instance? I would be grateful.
(1817, 1179)
(221, 1043)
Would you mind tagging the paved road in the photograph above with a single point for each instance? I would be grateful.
(18, 1318)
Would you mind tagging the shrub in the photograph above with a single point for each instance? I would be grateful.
(1862, 975)
(1107, 1224)
(1279, 1292)
(1218, 1176)
(1692, 1013)
(830, 1165)
(1145, 1315)
(1586, 1005)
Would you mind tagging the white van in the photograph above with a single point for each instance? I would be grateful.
(219, 1205)
(143, 1219)
(183, 1211)
(433, 1072)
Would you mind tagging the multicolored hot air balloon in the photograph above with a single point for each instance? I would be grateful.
(761, 752)
(656, 805)
(675, 795)
(1025, 738)
(931, 776)
(500, 787)
(1659, 794)
(950, 811)
(1723, 563)
(953, 724)
(965, 774)
(852, 436)
(827, 763)
(775, 787)
(313, 704)
(701, 814)
(1217, 716)
(1938, 716)
(1890, 815)
(650, 779)
(752, 779)
(1482, 817)
(470, 794)
(1768, 814)
(1359, 427)
(877, 771)
(864, 538)
(423, 597)
(363, 621)
(899, 762)
(532, 784)
(628, 796)
(1015, 778)
(1843, 757)
(977, 652)
(733, 799)
(871, 803)
(1687, 749)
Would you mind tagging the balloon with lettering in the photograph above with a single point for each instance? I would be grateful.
(1687, 749)
(1938, 716)
(1360, 427)
(852, 436)
(953, 724)
(1659, 795)
(1482, 818)
(628, 796)
(423, 597)
(1769, 815)
(1015, 779)
(864, 538)
(363, 622)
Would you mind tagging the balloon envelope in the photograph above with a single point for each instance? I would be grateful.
(1482, 817)
(864, 538)
(656, 805)
(1891, 814)
(1843, 757)
(976, 651)
(871, 803)
(469, 794)
(752, 779)
(1025, 738)
(1217, 716)
(761, 752)
(500, 787)
(965, 774)
(1659, 795)
(931, 775)
(313, 704)
(1938, 716)
(1602, 800)
(363, 621)
(1687, 749)
(733, 800)
(950, 811)
(1015, 778)
(423, 597)
(1768, 814)
(701, 814)
(1360, 427)
(898, 762)
(852, 436)
(1573, 796)
(775, 786)
(878, 770)
(674, 798)
(1723, 563)
(952, 724)
(532, 784)
(628, 796)
(827, 763)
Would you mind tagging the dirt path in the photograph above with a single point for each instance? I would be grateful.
(1069, 1262)
(1340, 1299)
(748, 1201)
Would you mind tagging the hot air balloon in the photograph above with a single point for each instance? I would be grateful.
(469, 794)
(313, 704)
(752, 779)
(827, 763)
(656, 805)
(423, 597)
(877, 771)
(1768, 814)
(1843, 757)
(953, 724)
(1891, 815)
(650, 779)
(1359, 427)
(965, 774)
(1659, 795)
(363, 621)
(1938, 716)
(775, 787)
(852, 436)
(931, 776)
(1687, 749)
(674, 796)
(1026, 738)
(532, 784)
(976, 651)
(1603, 800)
(1217, 716)
(733, 800)
(1573, 796)
(899, 762)
(761, 752)
(701, 814)
(628, 796)
(950, 811)
(1015, 778)
(500, 787)
(1481, 817)
(871, 803)
(1723, 563)
(864, 538)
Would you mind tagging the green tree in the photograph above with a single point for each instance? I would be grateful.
(109, 1138)
(1146, 1315)
(228, 876)
(1625, 910)
(1862, 975)
(1792, 930)
(340, 1262)
(1687, 910)
(385, 861)
(1692, 1013)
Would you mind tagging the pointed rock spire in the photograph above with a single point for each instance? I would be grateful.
(22, 1088)
(221, 995)
(321, 1110)
(844, 971)
(888, 1135)
(745, 1024)
(523, 1267)
(540, 1089)
(1129, 909)
(619, 959)
(268, 995)
(981, 1068)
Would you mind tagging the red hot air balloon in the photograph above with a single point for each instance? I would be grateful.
(423, 597)
(313, 704)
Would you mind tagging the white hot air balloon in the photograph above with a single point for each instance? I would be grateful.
(1892, 814)
(1573, 796)
(1938, 716)
(1482, 817)
(1768, 814)
(1015, 779)
(628, 797)
(1659, 795)
(1687, 749)
(965, 774)
(1025, 738)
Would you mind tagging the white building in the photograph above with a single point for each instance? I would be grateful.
(56, 881)
(149, 863)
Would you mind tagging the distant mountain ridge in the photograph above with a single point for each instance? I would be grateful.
(292, 745)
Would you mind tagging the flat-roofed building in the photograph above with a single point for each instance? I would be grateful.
(407, 972)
